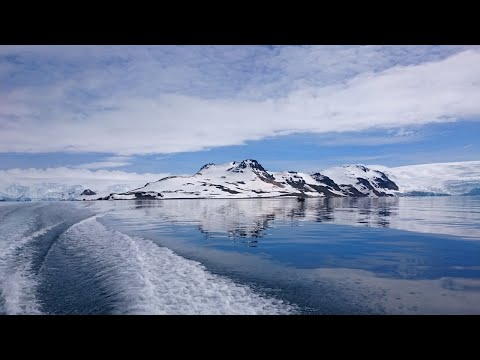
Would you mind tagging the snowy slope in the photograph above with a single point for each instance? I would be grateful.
(234, 180)
(248, 179)
(455, 178)
(359, 180)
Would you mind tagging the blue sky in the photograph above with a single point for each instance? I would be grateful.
(170, 109)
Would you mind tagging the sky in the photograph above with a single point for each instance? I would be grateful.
(171, 109)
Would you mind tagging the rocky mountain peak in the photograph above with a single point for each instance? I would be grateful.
(206, 166)
(252, 164)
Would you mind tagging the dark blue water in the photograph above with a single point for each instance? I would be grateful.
(322, 256)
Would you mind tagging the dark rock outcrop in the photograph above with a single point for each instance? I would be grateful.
(326, 180)
(384, 182)
(256, 168)
(206, 166)
(147, 195)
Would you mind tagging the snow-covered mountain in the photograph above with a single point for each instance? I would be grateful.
(359, 180)
(248, 178)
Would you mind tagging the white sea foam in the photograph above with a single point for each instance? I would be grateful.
(17, 282)
(148, 279)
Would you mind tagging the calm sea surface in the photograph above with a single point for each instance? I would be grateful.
(416, 255)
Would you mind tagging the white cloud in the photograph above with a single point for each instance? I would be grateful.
(367, 138)
(119, 158)
(108, 162)
(101, 165)
(353, 159)
(147, 103)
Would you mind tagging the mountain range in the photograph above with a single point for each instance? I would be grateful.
(248, 178)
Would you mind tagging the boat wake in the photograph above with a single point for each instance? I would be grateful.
(132, 275)
(59, 261)
(17, 280)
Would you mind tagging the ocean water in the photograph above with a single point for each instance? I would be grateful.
(416, 255)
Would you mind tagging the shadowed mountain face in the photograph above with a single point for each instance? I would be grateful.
(249, 178)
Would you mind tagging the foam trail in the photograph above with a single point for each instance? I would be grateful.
(147, 279)
(17, 282)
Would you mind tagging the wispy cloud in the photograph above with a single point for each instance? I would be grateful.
(353, 159)
(119, 158)
(141, 100)
(105, 163)
(101, 165)
(370, 138)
